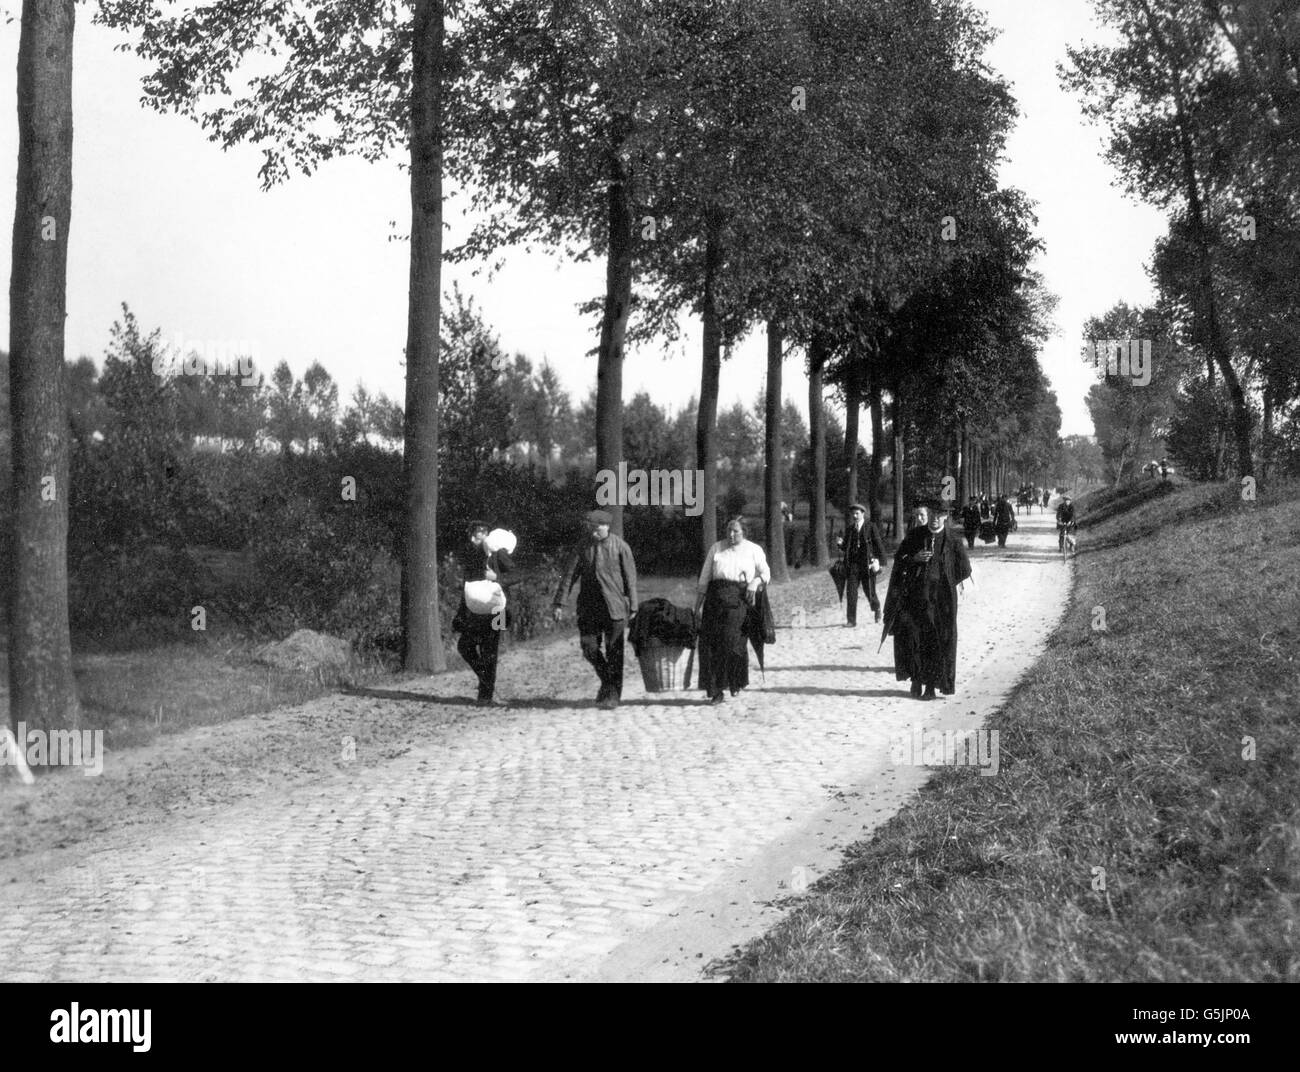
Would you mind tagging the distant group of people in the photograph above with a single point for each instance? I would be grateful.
(1161, 467)
(987, 519)
(1029, 496)
(931, 572)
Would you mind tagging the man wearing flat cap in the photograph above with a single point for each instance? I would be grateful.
(603, 569)
(864, 557)
(931, 569)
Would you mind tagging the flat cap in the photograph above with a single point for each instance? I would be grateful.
(600, 517)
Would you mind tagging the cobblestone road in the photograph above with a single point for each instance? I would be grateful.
(548, 840)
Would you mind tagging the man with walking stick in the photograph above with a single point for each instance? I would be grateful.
(931, 571)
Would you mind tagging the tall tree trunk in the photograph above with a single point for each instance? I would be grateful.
(1208, 312)
(817, 441)
(896, 415)
(421, 628)
(963, 461)
(852, 407)
(950, 466)
(42, 690)
(772, 457)
(706, 420)
(877, 446)
(1266, 441)
(613, 322)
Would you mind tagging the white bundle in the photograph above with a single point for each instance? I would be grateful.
(500, 539)
(484, 597)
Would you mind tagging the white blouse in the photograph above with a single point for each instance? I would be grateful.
(727, 563)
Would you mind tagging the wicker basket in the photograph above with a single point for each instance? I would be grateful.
(666, 667)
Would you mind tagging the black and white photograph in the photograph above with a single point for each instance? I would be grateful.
(536, 491)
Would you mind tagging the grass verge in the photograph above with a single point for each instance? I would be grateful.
(1145, 821)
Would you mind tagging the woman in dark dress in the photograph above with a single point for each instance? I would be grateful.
(931, 568)
(480, 634)
(732, 572)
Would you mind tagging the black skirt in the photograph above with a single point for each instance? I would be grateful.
(724, 653)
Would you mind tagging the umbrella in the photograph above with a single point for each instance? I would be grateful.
(760, 627)
(839, 574)
(893, 604)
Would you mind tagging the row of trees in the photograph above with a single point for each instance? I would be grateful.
(822, 168)
(1202, 102)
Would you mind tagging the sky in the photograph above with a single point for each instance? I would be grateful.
(181, 232)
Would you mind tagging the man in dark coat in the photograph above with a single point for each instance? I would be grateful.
(931, 569)
(863, 547)
(480, 634)
(970, 520)
(1003, 519)
(1064, 519)
(605, 572)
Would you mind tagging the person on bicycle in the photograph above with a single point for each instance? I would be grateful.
(1064, 520)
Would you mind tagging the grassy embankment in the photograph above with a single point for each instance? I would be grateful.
(1124, 750)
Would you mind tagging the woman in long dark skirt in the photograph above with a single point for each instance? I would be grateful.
(733, 570)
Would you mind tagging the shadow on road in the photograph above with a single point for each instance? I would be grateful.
(1009, 555)
(813, 690)
(835, 669)
(522, 703)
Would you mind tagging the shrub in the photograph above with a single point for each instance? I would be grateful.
(306, 561)
(546, 518)
(116, 588)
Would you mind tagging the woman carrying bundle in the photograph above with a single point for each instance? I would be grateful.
(480, 633)
(733, 571)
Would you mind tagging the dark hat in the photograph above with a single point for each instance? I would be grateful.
(857, 506)
(600, 517)
(936, 505)
(474, 526)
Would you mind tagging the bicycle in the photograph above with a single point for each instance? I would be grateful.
(1067, 540)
